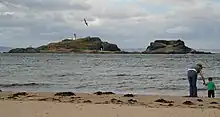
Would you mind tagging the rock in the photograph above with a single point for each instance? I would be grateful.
(24, 50)
(110, 47)
(116, 101)
(170, 105)
(20, 94)
(106, 102)
(199, 100)
(103, 93)
(132, 101)
(15, 95)
(128, 95)
(87, 101)
(65, 94)
(188, 103)
(163, 101)
(0, 90)
(49, 99)
(213, 102)
(170, 47)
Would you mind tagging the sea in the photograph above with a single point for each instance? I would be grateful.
(150, 74)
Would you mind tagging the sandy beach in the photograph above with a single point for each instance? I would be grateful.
(104, 104)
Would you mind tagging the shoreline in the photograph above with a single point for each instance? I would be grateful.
(104, 104)
(149, 101)
(51, 109)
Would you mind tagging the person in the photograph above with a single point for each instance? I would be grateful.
(192, 74)
(211, 88)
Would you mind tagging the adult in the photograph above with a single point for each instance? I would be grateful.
(192, 74)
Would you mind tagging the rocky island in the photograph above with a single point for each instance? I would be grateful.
(81, 45)
(170, 47)
(96, 45)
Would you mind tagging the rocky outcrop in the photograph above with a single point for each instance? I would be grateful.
(24, 50)
(105, 46)
(170, 47)
(81, 45)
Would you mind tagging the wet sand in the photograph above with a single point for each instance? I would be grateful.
(104, 104)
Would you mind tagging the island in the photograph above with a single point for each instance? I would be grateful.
(81, 45)
(170, 47)
(96, 45)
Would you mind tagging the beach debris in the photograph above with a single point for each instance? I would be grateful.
(116, 101)
(163, 101)
(128, 95)
(170, 104)
(49, 99)
(213, 107)
(64, 94)
(213, 102)
(105, 102)
(201, 105)
(87, 101)
(199, 100)
(103, 93)
(132, 101)
(188, 103)
(18, 94)
(166, 104)
(75, 98)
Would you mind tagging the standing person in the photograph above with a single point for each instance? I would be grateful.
(192, 74)
(211, 88)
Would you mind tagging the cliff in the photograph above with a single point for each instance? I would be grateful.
(170, 47)
(87, 45)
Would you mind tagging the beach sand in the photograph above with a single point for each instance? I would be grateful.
(69, 104)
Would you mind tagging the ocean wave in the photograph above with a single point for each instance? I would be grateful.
(24, 85)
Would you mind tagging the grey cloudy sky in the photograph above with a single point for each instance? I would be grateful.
(127, 23)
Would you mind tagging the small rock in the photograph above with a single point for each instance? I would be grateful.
(106, 102)
(188, 103)
(170, 104)
(163, 101)
(49, 99)
(116, 101)
(212, 107)
(87, 101)
(0, 90)
(201, 105)
(166, 104)
(103, 93)
(128, 95)
(199, 100)
(19, 94)
(64, 94)
(214, 103)
(131, 101)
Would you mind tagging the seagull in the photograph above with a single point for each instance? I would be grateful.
(86, 22)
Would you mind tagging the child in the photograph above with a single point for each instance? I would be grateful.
(211, 88)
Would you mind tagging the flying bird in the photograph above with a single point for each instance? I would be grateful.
(86, 22)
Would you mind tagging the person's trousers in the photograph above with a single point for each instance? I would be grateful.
(211, 93)
(192, 77)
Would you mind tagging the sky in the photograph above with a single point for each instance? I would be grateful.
(127, 23)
